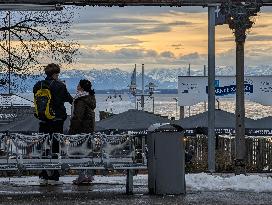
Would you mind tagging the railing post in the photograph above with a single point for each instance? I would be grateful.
(129, 182)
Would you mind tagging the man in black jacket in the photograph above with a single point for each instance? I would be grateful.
(60, 95)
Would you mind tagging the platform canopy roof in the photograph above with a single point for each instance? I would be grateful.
(223, 119)
(129, 2)
(27, 125)
(224, 123)
(131, 120)
(264, 123)
(261, 127)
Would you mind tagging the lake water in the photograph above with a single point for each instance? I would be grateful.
(165, 104)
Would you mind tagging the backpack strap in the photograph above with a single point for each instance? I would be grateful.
(50, 83)
(42, 81)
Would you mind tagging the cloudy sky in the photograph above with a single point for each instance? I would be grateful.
(161, 38)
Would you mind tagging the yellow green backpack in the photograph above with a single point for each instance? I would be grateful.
(43, 102)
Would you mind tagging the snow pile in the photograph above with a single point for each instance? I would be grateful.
(206, 182)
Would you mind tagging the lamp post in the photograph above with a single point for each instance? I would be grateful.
(133, 90)
(151, 88)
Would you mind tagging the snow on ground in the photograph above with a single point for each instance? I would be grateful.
(206, 182)
(194, 182)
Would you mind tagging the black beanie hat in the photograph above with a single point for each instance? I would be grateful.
(86, 85)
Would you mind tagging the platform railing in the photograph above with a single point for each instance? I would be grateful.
(20, 152)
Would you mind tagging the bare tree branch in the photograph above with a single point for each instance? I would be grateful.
(37, 38)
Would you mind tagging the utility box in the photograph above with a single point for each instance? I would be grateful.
(166, 162)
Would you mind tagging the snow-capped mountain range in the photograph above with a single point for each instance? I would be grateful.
(116, 79)
(162, 77)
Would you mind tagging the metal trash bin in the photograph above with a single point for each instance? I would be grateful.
(166, 165)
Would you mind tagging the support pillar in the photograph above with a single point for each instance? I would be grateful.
(240, 110)
(238, 16)
(211, 89)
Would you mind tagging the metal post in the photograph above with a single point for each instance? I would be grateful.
(142, 96)
(136, 106)
(211, 88)
(189, 74)
(218, 104)
(9, 55)
(240, 109)
(176, 109)
(143, 150)
(205, 103)
(181, 112)
(153, 104)
(176, 100)
(129, 182)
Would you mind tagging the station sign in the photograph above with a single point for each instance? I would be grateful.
(194, 89)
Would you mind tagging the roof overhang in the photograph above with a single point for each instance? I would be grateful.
(30, 7)
(128, 2)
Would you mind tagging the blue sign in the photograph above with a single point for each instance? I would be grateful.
(216, 83)
(231, 89)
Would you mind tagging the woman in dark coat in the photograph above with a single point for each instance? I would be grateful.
(83, 115)
(83, 120)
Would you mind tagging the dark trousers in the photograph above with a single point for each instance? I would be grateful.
(50, 128)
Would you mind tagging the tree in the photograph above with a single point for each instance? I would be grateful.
(29, 40)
